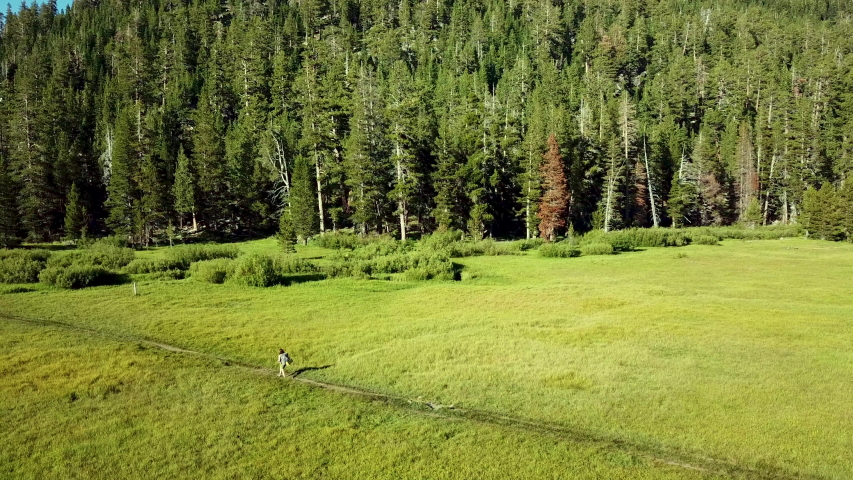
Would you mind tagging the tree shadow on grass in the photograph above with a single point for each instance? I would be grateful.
(309, 369)
(289, 280)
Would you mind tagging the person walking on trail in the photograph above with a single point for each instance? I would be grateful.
(283, 361)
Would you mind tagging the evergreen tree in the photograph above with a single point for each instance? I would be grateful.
(75, 216)
(823, 215)
(184, 189)
(122, 190)
(9, 225)
(682, 206)
(303, 201)
(286, 232)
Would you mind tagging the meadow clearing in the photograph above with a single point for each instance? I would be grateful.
(735, 359)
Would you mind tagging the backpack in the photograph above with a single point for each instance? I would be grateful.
(287, 359)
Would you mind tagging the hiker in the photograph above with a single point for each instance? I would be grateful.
(283, 361)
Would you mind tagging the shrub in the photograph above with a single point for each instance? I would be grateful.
(185, 255)
(22, 266)
(289, 265)
(419, 265)
(462, 249)
(384, 246)
(597, 249)
(440, 240)
(771, 232)
(99, 255)
(145, 265)
(114, 241)
(341, 240)
(76, 276)
(705, 240)
(525, 245)
(337, 269)
(212, 271)
(255, 271)
(648, 237)
(168, 275)
(559, 250)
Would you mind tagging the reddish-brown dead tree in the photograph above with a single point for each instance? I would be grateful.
(555, 195)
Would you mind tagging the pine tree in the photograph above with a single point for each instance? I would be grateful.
(122, 190)
(402, 116)
(847, 208)
(208, 158)
(286, 232)
(303, 200)
(552, 206)
(823, 215)
(681, 206)
(75, 216)
(9, 224)
(183, 189)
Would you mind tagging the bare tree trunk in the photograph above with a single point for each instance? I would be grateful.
(649, 178)
(608, 205)
(319, 194)
(769, 183)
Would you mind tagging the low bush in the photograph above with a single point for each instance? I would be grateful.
(633, 238)
(705, 240)
(185, 255)
(597, 249)
(441, 240)
(735, 232)
(337, 269)
(383, 246)
(432, 267)
(76, 276)
(212, 271)
(106, 256)
(22, 266)
(255, 271)
(115, 241)
(146, 265)
(559, 250)
(168, 275)
(288, 265)
(342, 240)
(419, 265)
(486, 247)
(525, 245)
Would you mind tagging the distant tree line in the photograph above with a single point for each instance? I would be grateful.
(397, 116)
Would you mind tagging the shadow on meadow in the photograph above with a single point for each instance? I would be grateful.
(302, 370)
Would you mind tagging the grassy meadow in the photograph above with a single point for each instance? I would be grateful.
(734, 357)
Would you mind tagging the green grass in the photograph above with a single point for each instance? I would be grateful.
(82, 407)
(739, 352)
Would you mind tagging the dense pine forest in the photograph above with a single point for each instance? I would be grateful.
(490, 116)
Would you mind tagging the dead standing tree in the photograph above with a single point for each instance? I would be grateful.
(555, 197)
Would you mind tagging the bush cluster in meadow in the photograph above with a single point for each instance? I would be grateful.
(22, 266)
(76, 276)
(564, 249)
(255, 270)
(183, 256)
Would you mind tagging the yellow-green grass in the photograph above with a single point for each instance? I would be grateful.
(75, 406)
(740, 353)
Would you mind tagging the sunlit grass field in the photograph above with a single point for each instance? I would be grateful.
(739, 355)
